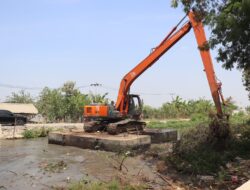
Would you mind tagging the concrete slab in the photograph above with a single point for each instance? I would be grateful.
(101, 141)
(161, 135)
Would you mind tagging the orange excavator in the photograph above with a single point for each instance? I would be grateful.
(125, 115)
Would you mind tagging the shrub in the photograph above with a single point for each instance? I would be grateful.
(199, 152)
(34, 133)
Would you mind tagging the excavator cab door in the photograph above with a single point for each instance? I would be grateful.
(135, 106)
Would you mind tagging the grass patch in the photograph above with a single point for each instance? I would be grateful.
(195, 120)
(240, 119)
(179, 125)
(36, 132)
(170, 124)
(113, 185)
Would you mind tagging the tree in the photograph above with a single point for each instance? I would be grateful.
(73, 101)
(229, 21)
(98, 98)
(50, 104)
(65, 103)
(20, 97)
(69, 88)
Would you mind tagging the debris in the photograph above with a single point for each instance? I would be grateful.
(53, 167)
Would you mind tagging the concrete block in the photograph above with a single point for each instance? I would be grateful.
(161, 135)
(101, 141)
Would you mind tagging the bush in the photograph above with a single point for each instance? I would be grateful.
(199, 152)
(179, 108)
(35, 133)
(199, 117)
(239, 119)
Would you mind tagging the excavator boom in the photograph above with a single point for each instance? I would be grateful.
(122, 103)
(215, 87)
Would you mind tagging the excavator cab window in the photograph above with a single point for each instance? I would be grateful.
(135, 106)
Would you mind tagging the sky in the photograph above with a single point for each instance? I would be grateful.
(48, 42)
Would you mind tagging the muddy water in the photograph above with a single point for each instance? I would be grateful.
(23, 163)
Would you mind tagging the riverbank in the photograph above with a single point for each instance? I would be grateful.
(15, 132)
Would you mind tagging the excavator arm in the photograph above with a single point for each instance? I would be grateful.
(122, 103)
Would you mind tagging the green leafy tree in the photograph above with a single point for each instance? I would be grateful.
(98, 98)
(179, 108)
(229, 21)
(20, 97)
(73, 101)
(50, 104)
(62, 104)
(69, 89)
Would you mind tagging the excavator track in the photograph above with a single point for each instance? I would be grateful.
(127, 125)
(93, 126)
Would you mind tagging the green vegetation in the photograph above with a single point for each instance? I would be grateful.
(113, 185)
(66, 104)
(239, 119)
(63, 104)
(20, 97)
(98, 98)
(178, 108)
(180, 125)
(200, 152)
(34, 133)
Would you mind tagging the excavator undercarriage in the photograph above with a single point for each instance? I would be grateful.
(123, 126)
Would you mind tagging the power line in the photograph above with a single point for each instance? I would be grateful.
(19, 87)
(22, 87)
(142, 93)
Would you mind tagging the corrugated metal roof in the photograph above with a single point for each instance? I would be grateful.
(19, 108)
